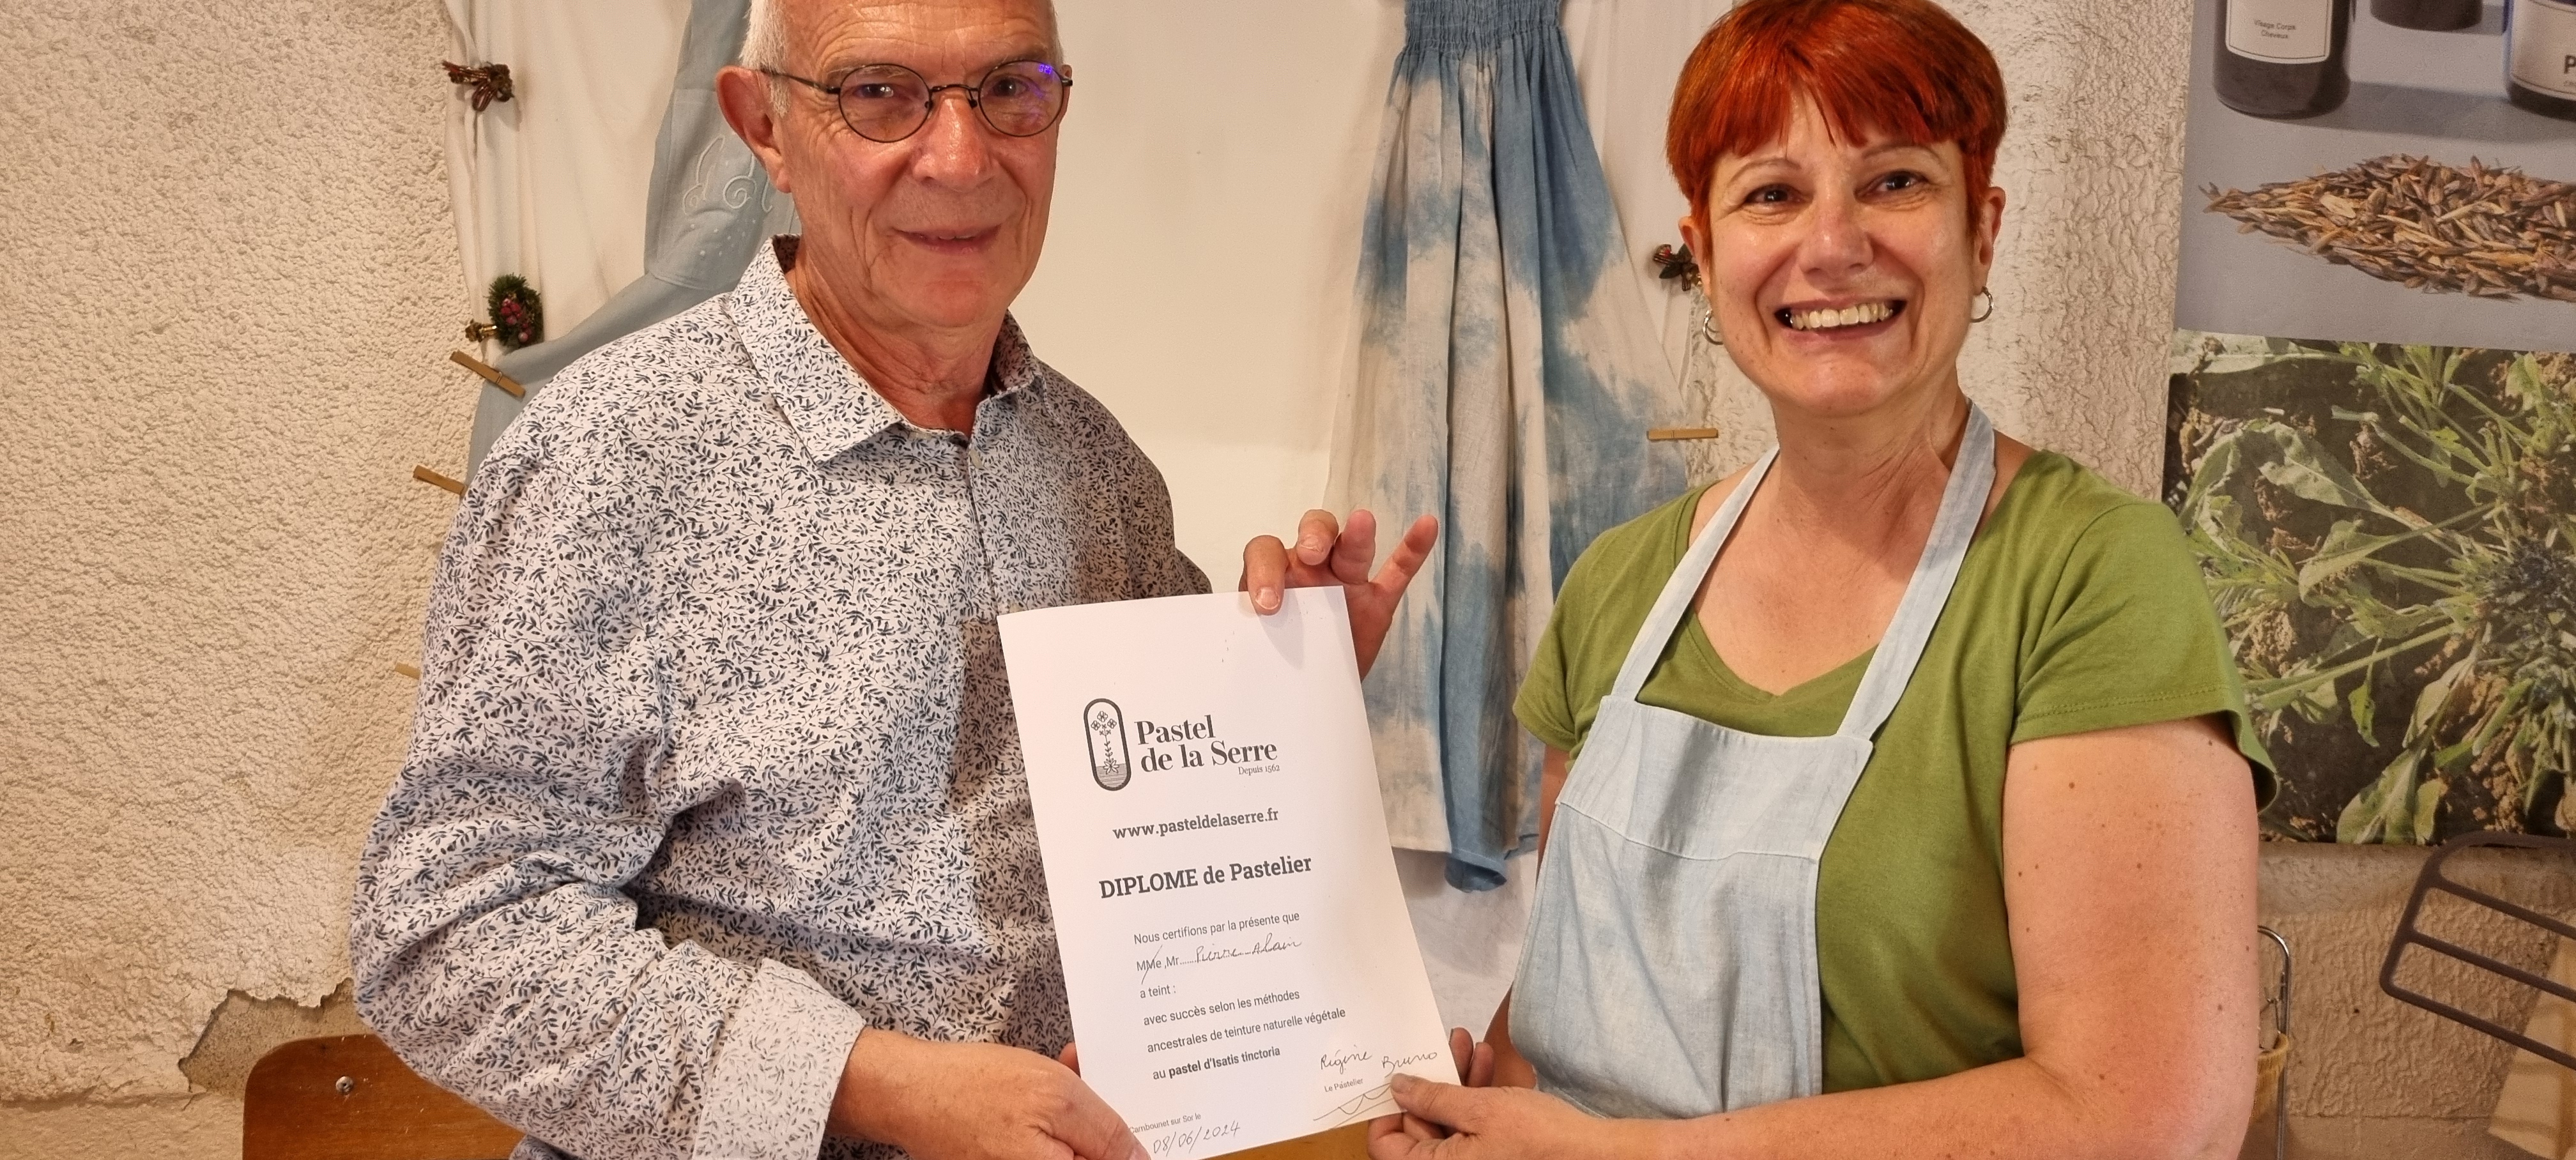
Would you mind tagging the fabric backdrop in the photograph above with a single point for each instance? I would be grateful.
(616, 224)
(1509, 369)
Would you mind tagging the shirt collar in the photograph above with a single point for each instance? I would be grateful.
(824, 398)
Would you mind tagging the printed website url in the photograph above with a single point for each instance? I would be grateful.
(1199, 822)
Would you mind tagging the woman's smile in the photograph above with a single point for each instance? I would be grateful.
(1851, 320)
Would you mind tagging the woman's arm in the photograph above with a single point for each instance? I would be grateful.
(2129, 871)
(1510, 1070)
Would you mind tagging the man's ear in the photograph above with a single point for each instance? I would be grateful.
(752, 108)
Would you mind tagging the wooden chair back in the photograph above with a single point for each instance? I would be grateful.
(349, 1098)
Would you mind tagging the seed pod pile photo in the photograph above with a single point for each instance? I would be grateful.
(2491, 232)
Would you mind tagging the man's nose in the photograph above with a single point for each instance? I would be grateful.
(955, 148)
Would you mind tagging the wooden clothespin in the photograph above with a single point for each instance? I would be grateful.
(435, 479)
(496, 378)
(1670, 434)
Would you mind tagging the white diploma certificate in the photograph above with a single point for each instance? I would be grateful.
(1236, 948)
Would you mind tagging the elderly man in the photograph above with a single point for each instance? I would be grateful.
(714, 838)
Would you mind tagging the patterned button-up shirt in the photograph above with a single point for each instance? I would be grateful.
(713, 763)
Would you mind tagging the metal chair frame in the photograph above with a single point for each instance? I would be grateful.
(2280, 1027)
(2409, 934)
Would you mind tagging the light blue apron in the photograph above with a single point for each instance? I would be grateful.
(1670, 970)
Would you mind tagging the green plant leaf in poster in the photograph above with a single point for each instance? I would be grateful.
(2428, 801)
(2364, 710)
(2436, 695)
(2346, 548)
(2307, 471)
(2218, 466)
(2385, 806)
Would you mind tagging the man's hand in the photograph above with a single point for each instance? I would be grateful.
(972, 1101)
(1328, 553)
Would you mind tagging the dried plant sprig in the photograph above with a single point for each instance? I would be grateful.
(487, 82)
(518, 314)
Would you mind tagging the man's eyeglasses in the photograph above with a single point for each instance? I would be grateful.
(888, 102)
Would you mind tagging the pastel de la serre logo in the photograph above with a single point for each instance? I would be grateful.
(1105, 728)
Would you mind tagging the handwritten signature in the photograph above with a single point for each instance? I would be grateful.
(1350, 1109)
(1267, 944)
(1339, 1062)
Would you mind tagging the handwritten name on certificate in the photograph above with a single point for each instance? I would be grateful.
(1236, 947)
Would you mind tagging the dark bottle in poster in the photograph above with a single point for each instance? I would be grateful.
(2429, 15)
(2540, 56)
(2282, 58)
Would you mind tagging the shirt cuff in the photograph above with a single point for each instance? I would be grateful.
(775, 1070)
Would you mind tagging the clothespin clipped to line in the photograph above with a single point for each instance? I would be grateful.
(496, 378)
(1670, 434)
(449, 483)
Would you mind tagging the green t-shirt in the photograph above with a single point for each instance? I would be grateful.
(2078, 608)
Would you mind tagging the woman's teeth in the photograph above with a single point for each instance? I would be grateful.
(1860, 315)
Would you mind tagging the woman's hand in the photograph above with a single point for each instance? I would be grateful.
(1446, 1122)
(1475, 1060)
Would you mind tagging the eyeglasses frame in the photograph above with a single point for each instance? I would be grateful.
(930, 99)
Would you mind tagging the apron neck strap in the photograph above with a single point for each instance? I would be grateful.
(1963, 499)
(1683, 587)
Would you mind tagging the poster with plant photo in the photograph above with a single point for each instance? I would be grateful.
(2372, 442)
(2389, 532)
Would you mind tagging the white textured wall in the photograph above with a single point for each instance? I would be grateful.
(230, 280)
(230, 284)
(2074, 356)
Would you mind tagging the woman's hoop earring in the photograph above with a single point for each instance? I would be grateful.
(1708, 330)
(1989, 310)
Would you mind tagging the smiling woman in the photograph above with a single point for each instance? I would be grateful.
(1866, 764)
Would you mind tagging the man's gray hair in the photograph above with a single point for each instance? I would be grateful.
(764, 41)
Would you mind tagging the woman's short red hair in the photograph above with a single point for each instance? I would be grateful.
(1904, 68)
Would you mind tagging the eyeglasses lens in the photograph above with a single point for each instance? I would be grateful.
(884, 102)
(888, 102)
(1022, 98)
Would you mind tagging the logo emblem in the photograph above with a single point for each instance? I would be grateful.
(1105, 728)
